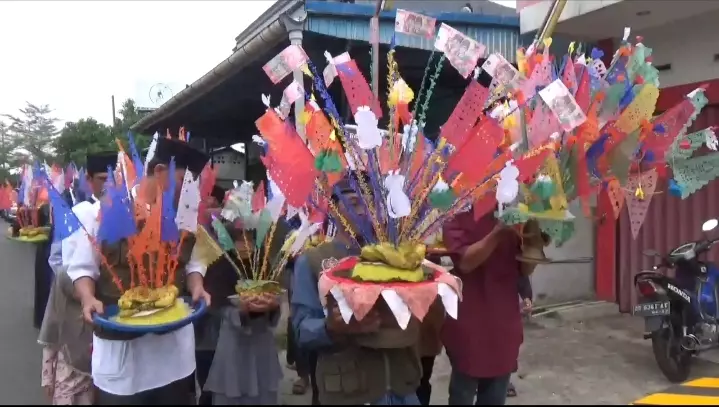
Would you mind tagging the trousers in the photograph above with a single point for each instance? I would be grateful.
(179, 392)
(465, 390)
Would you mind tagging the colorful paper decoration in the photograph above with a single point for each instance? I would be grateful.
(695, 140)
(465, 114)
(694, 173)
(357, 89)
(638, 207)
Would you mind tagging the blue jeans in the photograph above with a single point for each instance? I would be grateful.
(397, 400)
(490, 391)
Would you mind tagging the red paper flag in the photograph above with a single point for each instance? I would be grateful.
(484, 205)
(465, 114)
(289, 162)
(672, 122)
(473, 157)
(357, 89)
(583, 95)
(569, 77)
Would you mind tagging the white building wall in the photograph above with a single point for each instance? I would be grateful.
(553, 283)
(532, 17)
(690, 46)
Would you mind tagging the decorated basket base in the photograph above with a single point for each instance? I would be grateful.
(30, 235)
(257, 296)
(182, 312)
(406, 301)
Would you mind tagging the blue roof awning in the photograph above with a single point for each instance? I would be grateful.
(351, 21)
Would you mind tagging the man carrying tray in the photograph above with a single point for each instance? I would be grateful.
(129, 368)
(65, 338)
(348, 373)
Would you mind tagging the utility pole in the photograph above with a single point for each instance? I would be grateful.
(374, 38)
(113, 111)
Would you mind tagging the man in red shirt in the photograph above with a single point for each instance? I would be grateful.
(483, 342)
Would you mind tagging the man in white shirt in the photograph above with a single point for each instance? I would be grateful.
(129, 369)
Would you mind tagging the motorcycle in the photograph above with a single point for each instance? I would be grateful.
(680, 313)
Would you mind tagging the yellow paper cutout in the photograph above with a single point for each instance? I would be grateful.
(571, 47)
(639, 193)
(547, 42)
(640, 110)
(306, 70)
(305, 117)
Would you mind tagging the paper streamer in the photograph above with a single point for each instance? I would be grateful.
(638, 207)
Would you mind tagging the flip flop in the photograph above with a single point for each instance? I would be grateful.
(299, 387)
(511, 390)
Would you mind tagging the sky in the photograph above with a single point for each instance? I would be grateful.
(75, 55)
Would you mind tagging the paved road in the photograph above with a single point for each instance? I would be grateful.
(602, 361)
(19, 353)
(704, 391)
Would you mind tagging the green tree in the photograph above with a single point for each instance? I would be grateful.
(77, 139)
(33, 131)
(10, 160)
(129, 116)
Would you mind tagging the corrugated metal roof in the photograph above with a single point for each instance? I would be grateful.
(669, 222)
(497, 39)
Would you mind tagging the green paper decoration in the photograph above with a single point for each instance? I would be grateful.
(567, 166)
(559, 231)
(695, 139)
(442, 200)
(543, 189)
(263, 226)
(328, 161)
(223, 236)
(621, 158)
(611, 100)
(511, 216)
(693, 174)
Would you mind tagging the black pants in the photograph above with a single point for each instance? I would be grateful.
(175, 393)
(204, 362)
(424, 391)
(43, 282)
(305, 361)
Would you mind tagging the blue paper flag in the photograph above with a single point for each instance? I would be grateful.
(64, 219)
(21, 192)
(136, 160)
(168, 228)
(82, 184)
(117, 221)
(116, 214)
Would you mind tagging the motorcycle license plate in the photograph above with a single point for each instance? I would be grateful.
(652, 309)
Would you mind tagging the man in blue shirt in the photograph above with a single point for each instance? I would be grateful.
(347, 372)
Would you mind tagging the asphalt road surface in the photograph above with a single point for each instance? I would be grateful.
(19, 352)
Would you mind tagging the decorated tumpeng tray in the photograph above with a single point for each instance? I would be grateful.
(407, 301)
(158, 317)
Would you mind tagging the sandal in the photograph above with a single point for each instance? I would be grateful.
(299, 387)
(511, 390)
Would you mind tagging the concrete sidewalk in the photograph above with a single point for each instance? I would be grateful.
(590, 356)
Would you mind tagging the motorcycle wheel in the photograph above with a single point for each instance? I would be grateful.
(673, 360)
